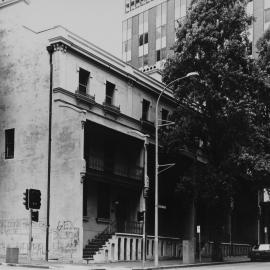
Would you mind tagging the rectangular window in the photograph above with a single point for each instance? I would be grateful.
(132, 4)
(145, 109)
(83, 80)
(145, 38)
(127, 4)
(103, 205)
(110, 87)
(145, 60)
(9, 143)
(141, 40)
(164, 115)
(158, 56)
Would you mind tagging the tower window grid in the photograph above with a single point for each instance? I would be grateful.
(161, 27)
(126, 44)
(143, 39)
(132, 4)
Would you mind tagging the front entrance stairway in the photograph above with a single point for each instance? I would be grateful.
(124, 242)
(95, 245)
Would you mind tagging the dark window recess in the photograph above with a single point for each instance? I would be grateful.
(103, 210)
(145, 38)
(141, 40)
(9, 143)
(158, 55)
(164, 115)
(83, 80)
(110, 87)
(145, 109)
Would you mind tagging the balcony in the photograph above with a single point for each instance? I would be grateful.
(85, 98)
(108, 169)
(111, 109)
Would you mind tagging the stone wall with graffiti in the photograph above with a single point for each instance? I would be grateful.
(15, 233)
(64, 239)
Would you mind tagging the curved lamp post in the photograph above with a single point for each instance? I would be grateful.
(145, 138)
(156, 159)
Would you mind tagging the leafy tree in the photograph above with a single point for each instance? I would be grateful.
(263, 46)
(223, 111)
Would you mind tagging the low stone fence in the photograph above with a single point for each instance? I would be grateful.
(228, 249)
(128, 247)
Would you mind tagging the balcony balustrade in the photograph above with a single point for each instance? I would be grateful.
(107, 166)
(111, 109)
(83, 97)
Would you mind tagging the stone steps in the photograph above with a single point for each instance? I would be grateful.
(95, 245)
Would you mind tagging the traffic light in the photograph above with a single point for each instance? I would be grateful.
(34, 216)
(34, 198)
(140, 216)
(26, 199)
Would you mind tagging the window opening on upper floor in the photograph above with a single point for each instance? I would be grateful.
(164, 115)
(83, 80)
(9, 143)
(145, 109)
(110, 88)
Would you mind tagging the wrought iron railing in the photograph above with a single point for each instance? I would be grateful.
(132, 227)
(121, 226)
(96, 163)
(109, 166)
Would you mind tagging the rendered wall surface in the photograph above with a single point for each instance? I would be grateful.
(24, 105)
(24, 92)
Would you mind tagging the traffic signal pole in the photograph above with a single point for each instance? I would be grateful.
(30, 236)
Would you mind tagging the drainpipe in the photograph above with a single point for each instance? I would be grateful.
(50, 50)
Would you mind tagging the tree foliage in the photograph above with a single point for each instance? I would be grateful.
(225, 111)
(263, 46)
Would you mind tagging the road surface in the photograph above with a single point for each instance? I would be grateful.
(239, 266)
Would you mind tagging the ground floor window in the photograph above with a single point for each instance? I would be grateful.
(103, 206)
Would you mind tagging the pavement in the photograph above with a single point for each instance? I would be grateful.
(127, 265)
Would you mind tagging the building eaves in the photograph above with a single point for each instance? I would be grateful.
(61, 34)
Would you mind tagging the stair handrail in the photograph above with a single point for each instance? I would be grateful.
(110, 229)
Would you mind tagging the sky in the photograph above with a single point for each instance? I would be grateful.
(99, 21)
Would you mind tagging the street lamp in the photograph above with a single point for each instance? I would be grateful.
(146, 185)
(156, 159)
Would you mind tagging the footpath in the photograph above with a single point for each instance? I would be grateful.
(149, 265)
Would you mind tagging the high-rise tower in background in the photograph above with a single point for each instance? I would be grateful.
(149, 29)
